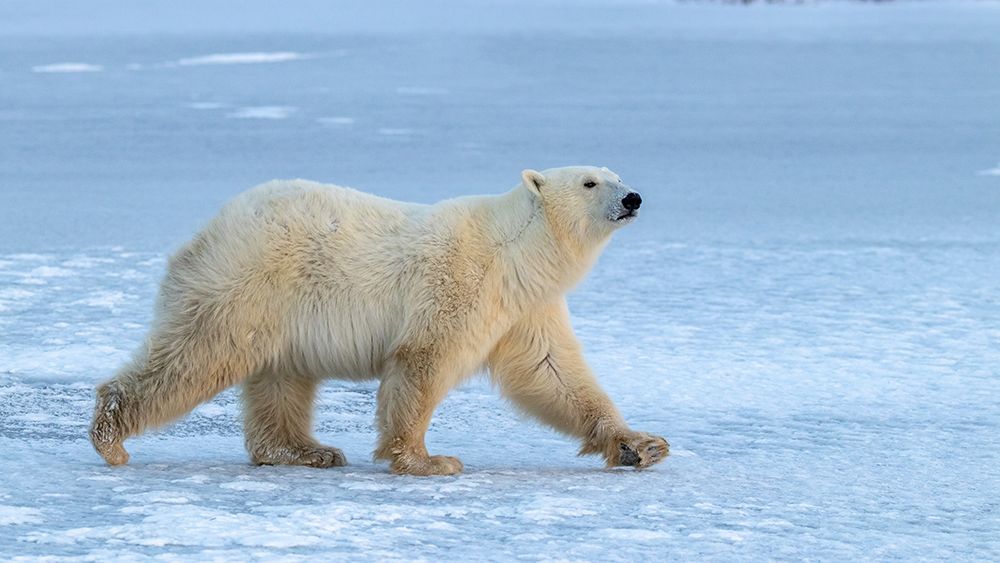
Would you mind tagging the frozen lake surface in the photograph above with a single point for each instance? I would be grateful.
(808, 309)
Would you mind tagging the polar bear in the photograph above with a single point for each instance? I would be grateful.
(296, 281)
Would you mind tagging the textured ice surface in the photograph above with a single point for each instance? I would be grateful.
(832, 401)
(807, 308)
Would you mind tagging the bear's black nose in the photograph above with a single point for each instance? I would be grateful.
(632, 201)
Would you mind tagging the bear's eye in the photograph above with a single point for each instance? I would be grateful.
(589, 184)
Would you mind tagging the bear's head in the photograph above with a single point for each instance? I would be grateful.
(584, 201)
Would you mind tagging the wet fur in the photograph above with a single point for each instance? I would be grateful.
(295, 281)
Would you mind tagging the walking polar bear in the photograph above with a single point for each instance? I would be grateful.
(296, 281)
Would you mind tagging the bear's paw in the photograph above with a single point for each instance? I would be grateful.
(433, 465)
(642, 450)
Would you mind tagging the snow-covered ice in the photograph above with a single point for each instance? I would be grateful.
(807, 309)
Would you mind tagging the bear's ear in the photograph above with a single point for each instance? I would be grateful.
(533, 180)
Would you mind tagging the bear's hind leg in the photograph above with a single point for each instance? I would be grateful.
(157, 387)
(277, 421)
(406, 403)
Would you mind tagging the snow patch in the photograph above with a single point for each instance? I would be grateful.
(249, 486)
(635, 534)
(263, 112)
(364, 486)
(394, 132)
(197, 479)
(93, 361)
(14, 515)
(188, 525)
(242, 58)
(67, 68)
(86, 262)
(546, 510)
(105, 299)
(104, 478)
(15, 294)
(50, 272)
(995, 171)
(29, 256)
(335, 120)
(164, 497)
(36, 417)
(211, 410)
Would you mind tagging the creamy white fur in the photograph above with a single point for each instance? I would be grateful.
(296, 281)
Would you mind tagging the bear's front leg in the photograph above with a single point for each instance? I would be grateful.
(538, 364)
(406, 402)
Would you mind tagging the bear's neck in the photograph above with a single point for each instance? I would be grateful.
(539, 261)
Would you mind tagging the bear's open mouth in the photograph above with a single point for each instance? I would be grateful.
(627, 215)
